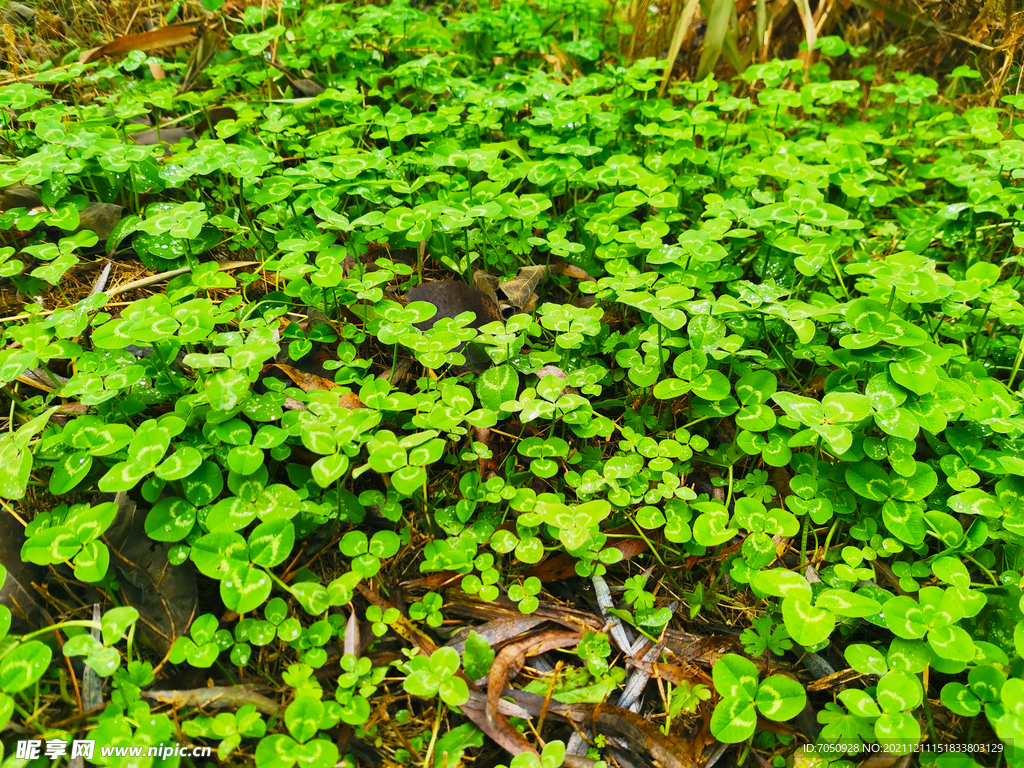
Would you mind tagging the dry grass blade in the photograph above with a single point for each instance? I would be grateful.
(682, 27)
(714, 39)
(154, 279)
(899, 15)
(165, 37)
(803, 8)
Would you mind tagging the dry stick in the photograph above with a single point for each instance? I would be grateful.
(135, 284)
(547, 699)
(619, 633)
(229, 697)
(153, 279)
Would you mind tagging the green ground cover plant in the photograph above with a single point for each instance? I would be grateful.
(765, 387)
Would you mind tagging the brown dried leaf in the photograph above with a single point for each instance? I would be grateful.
(165, 596)
(487, 283)
(778, 478)
(521, 288)
(630, 731)
(497, 631)
(482, 435)
(100, 218)
(165, 136)
(702, 649)
(164, 37)
(352, 635)
(563, 565)
(452, 298)
(434, 580)
(571, 270)
(16, 592)
(19, 196)
(310, 382)
(514, 654)
(642, 736)
(40, 378)
(500, 730)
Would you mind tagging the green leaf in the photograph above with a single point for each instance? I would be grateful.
(869, 480)
(841, 407)
(959, 699)
(734, 719)
(666, 389)
(69, 472)
(477, 656)
(806, 624)
(451, 746)
(497, 385)
(245, 589)
(866, 659)
(735, 676)
(803, 409)
(303, 715)
(780, 698)
(899, 692)
(388, 458)
(782, 583)
(846, 603)
(23, 666)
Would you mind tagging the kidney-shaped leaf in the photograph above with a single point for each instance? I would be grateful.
(780, 698)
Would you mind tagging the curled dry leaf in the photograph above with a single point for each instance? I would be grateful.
(498, 728)
(638, 735)
(625, 730)
(352, 635)
(702, 649)
(164, 37)
(571, 270)
(517, 294)
(478, 702)
(482, 435)
(101, 281)
(301, 85)
(521, 290)
(514, 654)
